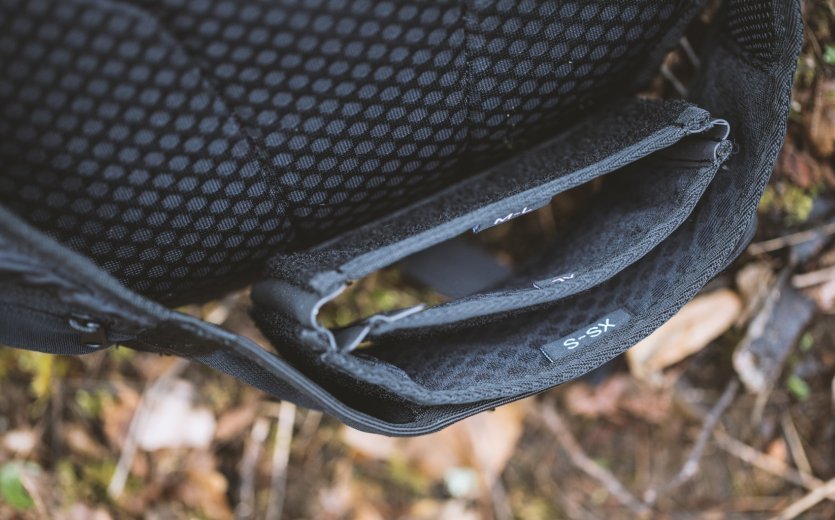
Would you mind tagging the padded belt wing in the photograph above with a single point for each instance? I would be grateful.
(670, 150)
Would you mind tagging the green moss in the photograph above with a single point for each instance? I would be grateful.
(407, 476)
(793, 203)
(88, 403)
(829, 54)
(12, 490)
(43, 368)
(798, 387)
(807, 342)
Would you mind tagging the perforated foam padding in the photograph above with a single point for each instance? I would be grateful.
(178, 143)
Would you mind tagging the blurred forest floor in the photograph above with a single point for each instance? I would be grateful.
(733, 418)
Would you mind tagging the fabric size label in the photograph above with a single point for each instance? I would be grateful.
(586, 336)
(510, 215)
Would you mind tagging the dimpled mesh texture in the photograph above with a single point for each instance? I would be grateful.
(178, 143)
(113, 141)
(751, 26)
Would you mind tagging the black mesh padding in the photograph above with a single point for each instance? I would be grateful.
(178, 143)
(113, 141)
(752, 25)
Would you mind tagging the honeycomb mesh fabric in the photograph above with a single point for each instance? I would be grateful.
(180, 142)
(751, 26)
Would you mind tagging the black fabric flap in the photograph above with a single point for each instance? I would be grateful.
(633, 132)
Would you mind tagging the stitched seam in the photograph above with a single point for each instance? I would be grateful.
(469, 81)
(207, 79)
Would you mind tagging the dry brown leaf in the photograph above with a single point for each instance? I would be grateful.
(369, 445)
(621, 393)
(152, 367)
(183, 479)
(827, 257)
(696, 325)
(204, 487)
(337, 500)
(601, 400)
(803, 170)
(651, 403)
(79, 441)
(436, 454)
(485, 441)
(833, 394)
(753, 283)
(778, 449)
(83, 512)
(20, 442)
(233, 423)
(366, 511)
(494, 436)
(432, 455)
(174, 421)
(455, 509)
(424, 508)
(117, 412)
(821, 127)
(823, 295)
(458, 510)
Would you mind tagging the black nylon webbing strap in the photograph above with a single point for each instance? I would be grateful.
(455, 268)
(670, 184)
(71, 285)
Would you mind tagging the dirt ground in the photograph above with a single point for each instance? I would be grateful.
(687, 434)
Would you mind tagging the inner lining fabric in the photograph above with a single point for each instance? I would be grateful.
(640, 207)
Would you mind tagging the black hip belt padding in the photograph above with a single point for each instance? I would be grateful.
(156, 152)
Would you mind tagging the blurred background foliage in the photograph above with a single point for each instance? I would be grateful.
(671, 432)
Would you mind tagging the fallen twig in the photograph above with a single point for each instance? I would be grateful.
(56, 412)
(767, 463)
(746, 504)
(811, 279)
(795, 444)
(691, 465)
(246, 501)
(500, 502)
(691, 54)
(27, 480)
(792, 239)
(754, 457)
(492, 481)
(281, 457)
(148, 400)
(310, 424)
(581, 461)
(565, 497)
(807, 502)
(670, 76)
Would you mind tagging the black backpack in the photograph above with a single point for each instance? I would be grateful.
(160, 152)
